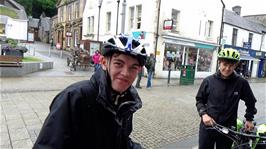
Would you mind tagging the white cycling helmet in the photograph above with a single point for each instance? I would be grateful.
(126, 45)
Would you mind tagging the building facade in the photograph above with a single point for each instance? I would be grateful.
(169, 28)
(13, 20)
(248, 37)
(68, 29)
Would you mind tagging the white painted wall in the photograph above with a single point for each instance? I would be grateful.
(16, 29)
(192, 13)
(242, 36)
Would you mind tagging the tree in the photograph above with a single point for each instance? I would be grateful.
(36, 7)
(27, 6)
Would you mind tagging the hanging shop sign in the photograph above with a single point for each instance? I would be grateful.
(168, 24)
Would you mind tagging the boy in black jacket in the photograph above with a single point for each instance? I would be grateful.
(98, 113)
(218, 98)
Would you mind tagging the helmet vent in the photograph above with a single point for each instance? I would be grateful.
(111, 41)
(233, 54)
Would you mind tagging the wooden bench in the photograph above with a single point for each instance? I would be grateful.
(10, 61)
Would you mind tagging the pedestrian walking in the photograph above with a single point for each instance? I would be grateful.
(140, 74)
(150, 66)
(52, 43)
(218, 98)
(98, 113)
(96, 60)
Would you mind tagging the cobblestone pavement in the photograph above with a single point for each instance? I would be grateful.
(168, 114)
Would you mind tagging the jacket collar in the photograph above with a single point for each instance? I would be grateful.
(218, 74)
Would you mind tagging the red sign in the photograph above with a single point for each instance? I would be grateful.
(68, 34)
(168, 24)
(58, 46)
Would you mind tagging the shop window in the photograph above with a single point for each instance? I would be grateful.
(173, 57)
(191, 54)
(204, 60)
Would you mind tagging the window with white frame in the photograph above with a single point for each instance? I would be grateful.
(89, 25)
(175, 18)
(131, 17)
(138, 20)
(76, 10)
(208, 28)
(234, 36)
(108, 21)
(250, 38)
(69, 12)
(61, 14)
(90, 28)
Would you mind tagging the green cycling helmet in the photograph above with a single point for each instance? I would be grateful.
(229, 53)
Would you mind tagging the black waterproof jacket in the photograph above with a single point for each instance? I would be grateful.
(219, 98)
(83, 116)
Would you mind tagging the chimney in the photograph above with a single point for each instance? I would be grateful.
(237, 10)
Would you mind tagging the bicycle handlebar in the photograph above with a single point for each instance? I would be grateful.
(226, 130)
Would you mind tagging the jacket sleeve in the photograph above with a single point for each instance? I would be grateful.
(134, 145)
(201, 98)
(248, 97)
(56, 130)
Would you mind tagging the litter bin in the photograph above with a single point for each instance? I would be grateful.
(187, 75)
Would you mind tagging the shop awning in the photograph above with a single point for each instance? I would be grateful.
(248, 57)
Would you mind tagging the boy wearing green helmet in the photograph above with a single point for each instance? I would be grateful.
(218, 98)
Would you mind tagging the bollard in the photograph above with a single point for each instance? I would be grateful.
(169, 73)
(33, 51)
(49, 52)
(61, 53)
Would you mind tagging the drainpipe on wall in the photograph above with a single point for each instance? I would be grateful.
(157, 29)
(117, 12)
(123, 16)
(262, 39)
(221, 32)
(222, 26)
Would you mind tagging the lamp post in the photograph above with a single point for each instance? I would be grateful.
(99, 14)
(117, 12)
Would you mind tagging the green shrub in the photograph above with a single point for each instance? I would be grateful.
(12, 42)
(31, 59)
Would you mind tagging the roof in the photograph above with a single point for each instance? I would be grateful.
(45, 23)
(16, 7)
(232, 18)
(33, 22)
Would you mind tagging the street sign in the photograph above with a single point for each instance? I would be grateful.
(247, 45)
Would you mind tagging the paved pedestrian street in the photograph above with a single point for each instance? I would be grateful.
(168, 114)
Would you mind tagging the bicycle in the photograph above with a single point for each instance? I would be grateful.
(241, 139)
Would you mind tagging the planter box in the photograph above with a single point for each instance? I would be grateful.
(27, 67)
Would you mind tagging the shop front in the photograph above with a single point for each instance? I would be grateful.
(178, 52)
(262, 63)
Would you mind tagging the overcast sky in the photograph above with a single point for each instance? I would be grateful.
(249, 7)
